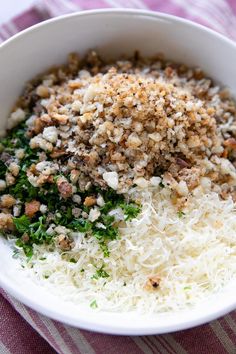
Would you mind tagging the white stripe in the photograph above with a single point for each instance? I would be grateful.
(231, 323)
(3, 36)
(11, 27)
(142, 345)
(173, 344)
(226, 8)
(213, 8)
(157, 344)
(219, 13)
(115, 3)
(42, 9)
(154, 347)
(69, 5)
(54, 10)
(22, 310)
(223, 336)
(193, 11)
(56, 335)
(139, 4)
(58, 8)
(3, 349)
(81, 342)
(5, 33)
(223, 6)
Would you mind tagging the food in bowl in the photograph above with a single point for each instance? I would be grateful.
(118, 183)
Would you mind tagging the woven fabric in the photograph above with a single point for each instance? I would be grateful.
(24, 331)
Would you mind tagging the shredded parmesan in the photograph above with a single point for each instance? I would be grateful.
(193, 255)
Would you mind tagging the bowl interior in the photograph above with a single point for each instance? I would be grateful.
(112, 33)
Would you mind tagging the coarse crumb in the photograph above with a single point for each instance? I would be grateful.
(126, 121)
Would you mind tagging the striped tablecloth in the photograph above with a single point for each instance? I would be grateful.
(24, 331)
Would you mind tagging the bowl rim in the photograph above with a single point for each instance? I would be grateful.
(82, 322)
(121, 11)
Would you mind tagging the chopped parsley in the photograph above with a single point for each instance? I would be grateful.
(131, 210)
(100, 273)
(93, 304)
(81, 225)
(23, 189)
(22, 223)
(187, 288)
(3, 169)
(180, 213)
(31, 233)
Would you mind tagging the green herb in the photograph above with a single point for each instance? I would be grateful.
(110, 233)
(180, 213)
(22, 223)
(72, 260)
(30, 156)
(36, 232)
(80, 225)
(100, 273)
(82, 270)
(93, 304)
(131, 210)
(49, 195)
(16, 138)
(23, 189)
(104, 248)
(187, 288)
(65, 218)
(27, 248)
(3, 169)
(46, 276)
(107, 207)
(161, 185)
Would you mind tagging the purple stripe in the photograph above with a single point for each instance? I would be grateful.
(39, 323)
(27, 19)
(232, 4)
(13, 337)
(111, 344)
(202, 338)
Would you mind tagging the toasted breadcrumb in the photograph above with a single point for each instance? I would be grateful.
(123, 123)
(133, 119)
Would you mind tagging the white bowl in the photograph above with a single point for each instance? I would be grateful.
(112, 32)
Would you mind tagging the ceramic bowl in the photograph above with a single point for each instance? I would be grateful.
(111, 33)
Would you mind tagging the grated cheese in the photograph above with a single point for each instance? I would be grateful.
(193, 255)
